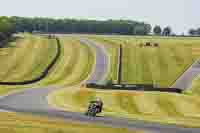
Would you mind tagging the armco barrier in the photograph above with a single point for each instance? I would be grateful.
(43, 74)
(133, 87)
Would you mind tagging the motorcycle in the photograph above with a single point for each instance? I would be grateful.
(93, 109)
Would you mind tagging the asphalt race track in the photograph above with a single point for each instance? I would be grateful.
(185, 80)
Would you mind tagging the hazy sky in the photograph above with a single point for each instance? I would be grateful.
(179, 14)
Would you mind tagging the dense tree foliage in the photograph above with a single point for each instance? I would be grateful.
(81, 26)
(6, 28)
(194, 32)
(157, 30)
(9, 25)
(167, 31)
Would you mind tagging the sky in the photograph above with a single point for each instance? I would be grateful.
(179, 14)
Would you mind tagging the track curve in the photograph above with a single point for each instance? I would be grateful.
(34, 101)
(101, 65)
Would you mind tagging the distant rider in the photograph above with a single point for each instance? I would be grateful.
(99, 104)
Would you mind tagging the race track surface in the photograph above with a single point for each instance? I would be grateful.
(34, 101)
(185, 80)
(101, 65)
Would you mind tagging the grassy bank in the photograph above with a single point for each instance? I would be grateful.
(195, 88)
(29, 56)
(154, 106)
(146, 65)
(151, 65)
(12, 123)
(74, 65)
(26, 58)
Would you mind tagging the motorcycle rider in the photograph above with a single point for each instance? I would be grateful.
(99, 104)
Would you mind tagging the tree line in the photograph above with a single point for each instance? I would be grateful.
(167, 31)
(6, 28)
(194, 32)
(128, 27)
(9, 25)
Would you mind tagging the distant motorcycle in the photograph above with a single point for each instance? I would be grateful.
(94, 108)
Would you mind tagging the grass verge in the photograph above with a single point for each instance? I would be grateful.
(150, 106)
(73, 66)
(19, 123)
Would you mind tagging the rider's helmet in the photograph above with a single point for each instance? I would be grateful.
(98, 99)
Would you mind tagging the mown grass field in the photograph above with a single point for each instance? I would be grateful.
(149, 65)
(195, 88)
(19, 123)
(152, 106)
(74, 65)
(28, 57)
(140, 65)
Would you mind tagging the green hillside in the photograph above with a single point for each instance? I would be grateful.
(182, 109)
(19, 123)
(26, 59)
(151, 65)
